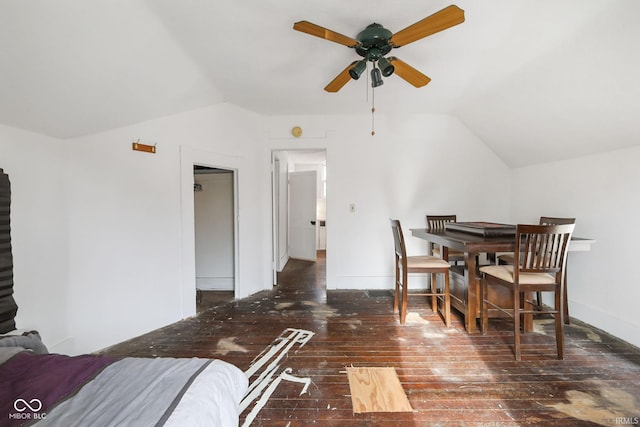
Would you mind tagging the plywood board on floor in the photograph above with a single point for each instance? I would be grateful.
(377, 390)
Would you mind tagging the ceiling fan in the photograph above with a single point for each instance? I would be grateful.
(375, 41)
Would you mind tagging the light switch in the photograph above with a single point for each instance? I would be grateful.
(352, 208)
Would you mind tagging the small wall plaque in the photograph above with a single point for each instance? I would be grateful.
(143, 147)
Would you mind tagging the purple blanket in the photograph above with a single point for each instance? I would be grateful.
(28, 389)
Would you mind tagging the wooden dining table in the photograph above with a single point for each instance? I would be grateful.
(465, 280)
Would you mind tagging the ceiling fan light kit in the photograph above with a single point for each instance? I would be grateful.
(376, 77)
(386, 67)
(357, 69)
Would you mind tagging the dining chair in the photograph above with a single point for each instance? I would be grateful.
(508, 259)
(440, 298)
(439, 222)
(541, 251)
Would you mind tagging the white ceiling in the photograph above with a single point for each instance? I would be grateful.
(537, 80)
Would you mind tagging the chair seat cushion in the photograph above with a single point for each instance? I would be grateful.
(505, 272)
(426, 261)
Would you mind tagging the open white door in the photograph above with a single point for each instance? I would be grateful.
(302, 215)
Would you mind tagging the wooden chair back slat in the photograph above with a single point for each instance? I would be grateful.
(398, 239)
(543, 248)
(438, 222)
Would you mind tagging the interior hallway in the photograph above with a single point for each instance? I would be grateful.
(302, 278)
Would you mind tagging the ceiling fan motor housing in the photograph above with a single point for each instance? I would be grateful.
(374, 42)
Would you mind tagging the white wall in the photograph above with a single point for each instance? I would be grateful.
(414, 165)
(103, 235)
(132, 214)
(601, 192)
(39, 231)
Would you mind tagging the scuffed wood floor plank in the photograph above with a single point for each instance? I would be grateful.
(451, 378)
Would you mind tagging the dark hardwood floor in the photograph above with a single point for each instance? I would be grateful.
(451, 378)
(206, 300)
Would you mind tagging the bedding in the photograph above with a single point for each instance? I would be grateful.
(90, 390)
(23, 339)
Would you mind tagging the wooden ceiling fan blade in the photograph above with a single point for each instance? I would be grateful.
(408, 73)
(446, 18)
(323, 33)
(340, 80)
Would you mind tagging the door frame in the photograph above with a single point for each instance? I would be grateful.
(274, 217)
(206, 176)
(277, 188)
(188, 158)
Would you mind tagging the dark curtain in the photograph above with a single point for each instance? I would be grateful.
(8, 307)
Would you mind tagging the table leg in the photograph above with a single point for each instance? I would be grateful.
(472, 292)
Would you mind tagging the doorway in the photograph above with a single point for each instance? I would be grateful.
(288, 166)
(214, 235)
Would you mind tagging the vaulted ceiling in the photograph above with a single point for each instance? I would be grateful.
(537, 80)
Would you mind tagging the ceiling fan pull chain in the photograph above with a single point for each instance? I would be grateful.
(373, 111)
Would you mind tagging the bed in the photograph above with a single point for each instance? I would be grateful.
(42, 389)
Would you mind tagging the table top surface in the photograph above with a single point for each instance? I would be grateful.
(460, 236)
(480, 227)
(470, 242)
